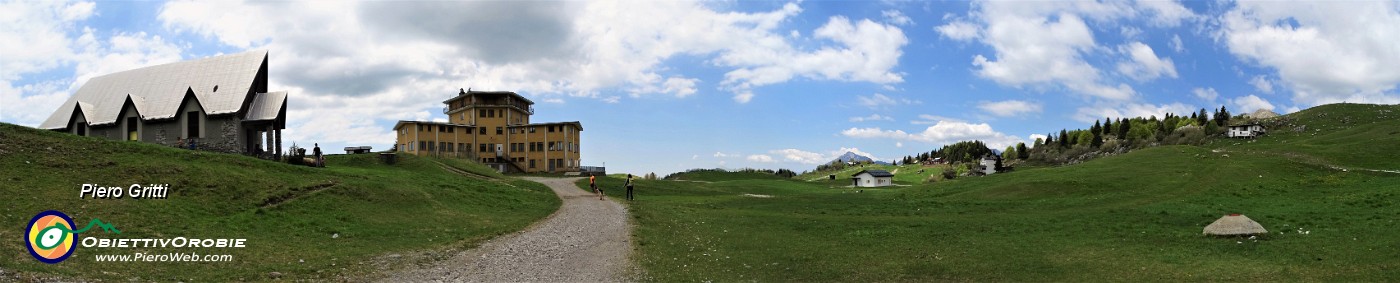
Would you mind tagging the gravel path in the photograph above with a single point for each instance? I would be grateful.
(587, 240)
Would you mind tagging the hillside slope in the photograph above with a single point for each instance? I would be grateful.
(301, 222)
(1131, 217)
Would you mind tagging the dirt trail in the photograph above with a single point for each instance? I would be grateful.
(586, 240)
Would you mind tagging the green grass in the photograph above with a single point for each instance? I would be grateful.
(1130, 217)
(287, 213)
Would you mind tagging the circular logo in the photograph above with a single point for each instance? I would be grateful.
(49, 237)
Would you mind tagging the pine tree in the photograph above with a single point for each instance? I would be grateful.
(1123, 126)
(1108, 126)
(1064, 142)
(1021, 151)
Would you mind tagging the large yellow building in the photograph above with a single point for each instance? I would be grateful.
(494, 127)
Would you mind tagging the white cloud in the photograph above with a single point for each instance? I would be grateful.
(1010, 108)
(760, 158)
(553, 100)
(1039, 44)
(898, 144)
(800, 156)
(927, 119)
(38, 38)
(943, 132)
(694, 157)
(1251, 103)
(1323, 51)
(958, 30)
(724, 155)
(872, 117)
(1144, 64)
(1207, 94)
(1130, 32)
(1130, 110)
(897, 18)
(1031, 139)
(1262, 84)
(1176, 44)
(867, 52)
(876, 101)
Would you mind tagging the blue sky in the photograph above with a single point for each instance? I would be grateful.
(667, 86)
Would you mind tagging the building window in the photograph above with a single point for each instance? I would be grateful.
(481, 113)
(532, 164)
(499, 131)
(483, 130)
(422, 145)
(532, 130)
(483, 148)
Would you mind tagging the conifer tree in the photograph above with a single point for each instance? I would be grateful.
(1021, 151)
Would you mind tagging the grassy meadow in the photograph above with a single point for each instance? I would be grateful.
(341, 222)
(1130, 217)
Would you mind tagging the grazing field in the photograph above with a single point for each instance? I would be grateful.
(303, 223)
(1131, 217)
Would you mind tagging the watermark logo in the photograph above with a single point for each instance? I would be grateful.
(51, 237)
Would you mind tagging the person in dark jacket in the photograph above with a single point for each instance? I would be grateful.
(629, 187)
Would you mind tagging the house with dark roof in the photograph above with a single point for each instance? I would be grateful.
(872, 178)
(219, 103)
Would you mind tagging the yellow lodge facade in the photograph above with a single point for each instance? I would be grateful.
(494, 128)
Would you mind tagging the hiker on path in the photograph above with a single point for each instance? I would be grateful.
(593, 184)
(629, 187)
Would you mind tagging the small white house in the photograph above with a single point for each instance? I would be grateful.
(989, 164)
(872, 178)
(1245, 131)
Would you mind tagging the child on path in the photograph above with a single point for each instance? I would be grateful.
(593, 184)
(629, 187)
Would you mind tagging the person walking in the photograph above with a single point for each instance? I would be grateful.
(316, 152)
(629, 187)
(593, 184)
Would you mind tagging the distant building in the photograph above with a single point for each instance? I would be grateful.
(872, 178)
(494, 128)
(357, 149)
(1250, 130)
(219, 103)
(989, 164)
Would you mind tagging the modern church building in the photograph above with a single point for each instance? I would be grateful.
(218, 103)
(494, 128)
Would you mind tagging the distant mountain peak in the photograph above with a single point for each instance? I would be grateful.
(854, 157)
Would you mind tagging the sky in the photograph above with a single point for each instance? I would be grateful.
(665, 86)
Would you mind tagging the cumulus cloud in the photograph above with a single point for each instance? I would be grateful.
(1144, 64)
(1130, 110)
(1039, 44)
(943, 132)
(760, 158)
(800, 156)
(958, 30)
(39, 38)
(1009, 108)
(1251, 103)
(1323, 51)
(1031, 139)
(1176, 44)
(897, 18)
(336, 56)
(872, 117)
(1262, 84)
(877, 100)
(1207, 94)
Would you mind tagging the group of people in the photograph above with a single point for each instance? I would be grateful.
(593, 183)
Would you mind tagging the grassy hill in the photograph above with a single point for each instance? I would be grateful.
(716, 175)
(330, 223)
(1130, 217)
